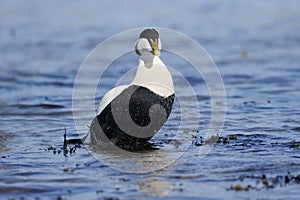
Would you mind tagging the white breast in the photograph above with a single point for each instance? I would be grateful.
(154, 75)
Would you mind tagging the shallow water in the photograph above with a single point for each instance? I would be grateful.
(256, 47)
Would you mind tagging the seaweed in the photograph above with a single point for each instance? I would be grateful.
(69, 147)
(264, 182)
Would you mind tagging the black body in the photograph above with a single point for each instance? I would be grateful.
(133, 117)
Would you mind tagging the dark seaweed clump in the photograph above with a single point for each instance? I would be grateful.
(264, 182)
(68, 148)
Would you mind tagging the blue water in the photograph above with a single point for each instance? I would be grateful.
(256, 46)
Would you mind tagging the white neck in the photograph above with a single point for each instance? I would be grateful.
(154, 75)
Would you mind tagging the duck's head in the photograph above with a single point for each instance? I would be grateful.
(148, 43)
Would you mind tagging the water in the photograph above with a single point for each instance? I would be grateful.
(255, 46)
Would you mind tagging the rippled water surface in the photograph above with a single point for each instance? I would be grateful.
(256, 46)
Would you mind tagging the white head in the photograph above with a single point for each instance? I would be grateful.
(148, 43)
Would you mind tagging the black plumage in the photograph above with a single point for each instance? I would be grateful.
(136, 104)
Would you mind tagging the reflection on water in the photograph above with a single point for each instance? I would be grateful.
(155, 188)
(255, 46)
(2, 143)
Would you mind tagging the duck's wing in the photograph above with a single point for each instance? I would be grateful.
(107, 98)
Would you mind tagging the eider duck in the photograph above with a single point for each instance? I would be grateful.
(132, 114)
